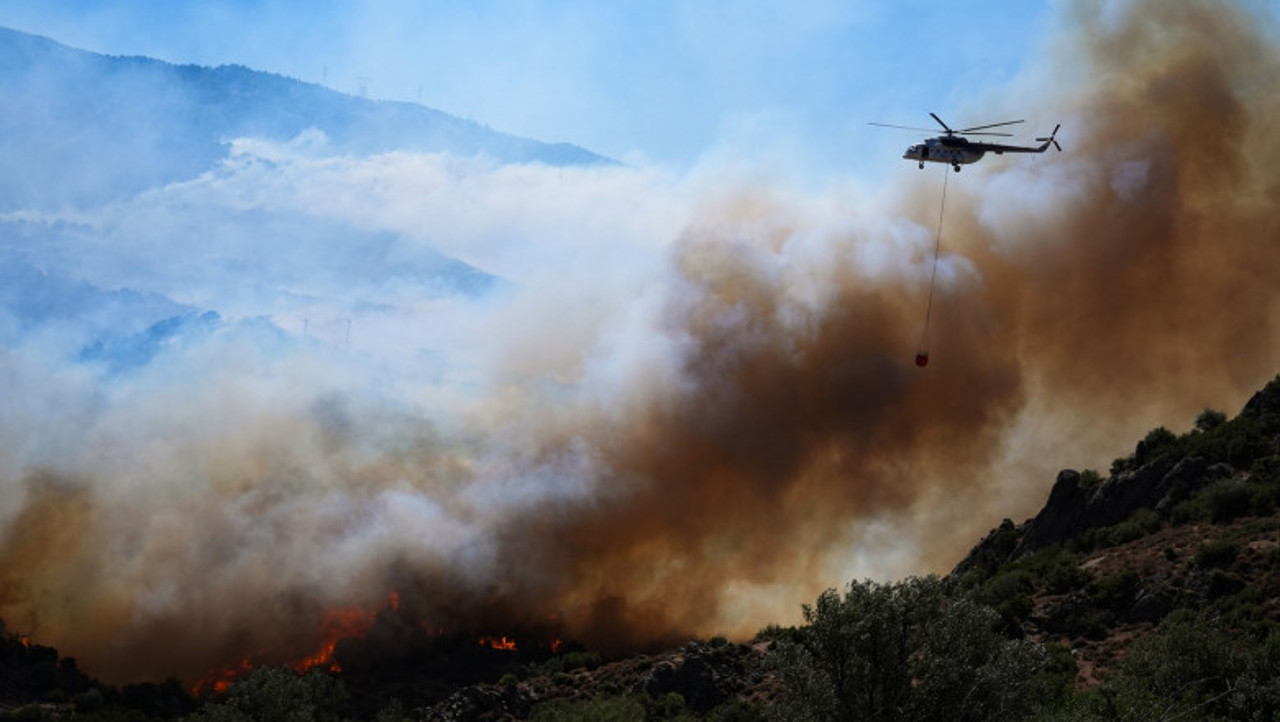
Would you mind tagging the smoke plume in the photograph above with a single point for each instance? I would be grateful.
(694, 406)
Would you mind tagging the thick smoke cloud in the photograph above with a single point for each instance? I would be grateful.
(689, 404)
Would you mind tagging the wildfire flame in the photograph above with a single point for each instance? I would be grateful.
(502, 643)
(221, 680)
(337, 625)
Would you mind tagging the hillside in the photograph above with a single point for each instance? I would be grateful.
(1122, 586)
(82, 128)
(1187, 522)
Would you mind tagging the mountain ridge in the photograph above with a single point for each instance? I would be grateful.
(110, 144)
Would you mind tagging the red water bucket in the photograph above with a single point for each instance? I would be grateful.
(922, 359)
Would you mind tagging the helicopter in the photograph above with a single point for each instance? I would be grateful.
(953, 149)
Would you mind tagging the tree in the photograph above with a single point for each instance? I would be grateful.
(278, 694)
(1209, 419)
(905, 651)
(1193, 669)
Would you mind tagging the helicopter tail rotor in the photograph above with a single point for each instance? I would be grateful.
(1051, 139)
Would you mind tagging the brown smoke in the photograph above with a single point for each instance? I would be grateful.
(1149, 289)
(1128, 281)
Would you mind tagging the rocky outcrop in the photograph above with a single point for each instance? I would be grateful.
(1155, 477)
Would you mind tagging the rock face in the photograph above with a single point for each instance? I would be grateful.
(1076, 505)
(1160, 474)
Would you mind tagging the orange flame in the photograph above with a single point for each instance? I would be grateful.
(339, 624)
(323, 658)
(221, 680)
(502, 643)
(25, 641)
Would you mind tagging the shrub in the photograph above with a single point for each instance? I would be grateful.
(1090, 479)
(278, 693)
(601, 709)
(1208, 420)
(1191, 669)
(664, 707)
(1085, 621)
(1055, 569)
(1222, 584)
(1141, 523)
(906, 651)
(1158, 441)
(1238, 442)
(1265, 470)
(1216, 554)
(1189, 512)
(1227, 500)
(1121, 465)
(1067, 578)
(1116, 592)
(736, 711)
(1007, 586)
(580, 660)
(1263, 498)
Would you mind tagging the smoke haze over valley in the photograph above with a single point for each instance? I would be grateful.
(268, 351)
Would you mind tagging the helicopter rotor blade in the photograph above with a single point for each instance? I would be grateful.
(903, 127)
(1005, 135)
(944, 125)
(990, 125)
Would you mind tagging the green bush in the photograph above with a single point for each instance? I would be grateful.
(1190, 511)
(1264, 498)
(601, 709)
(1115, 592)
(1208, 420)
(1227, 500)
(669, 706)
(1158, 442)
(1265, 470)
(736, 711)
(1055, 569)
(278, 694)
(1009, 593)
(1216, 554)
(1222, 584)
(580, 660)
(1067, 578)
(906, 650)
(1237, 442)
(1190, 669)
(1143, 522)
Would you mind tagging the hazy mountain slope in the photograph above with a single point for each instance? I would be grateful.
(78, 127)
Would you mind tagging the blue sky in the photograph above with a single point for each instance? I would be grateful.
(660, 80)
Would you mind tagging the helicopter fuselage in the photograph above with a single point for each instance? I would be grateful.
(956, 151)
(944, 149)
